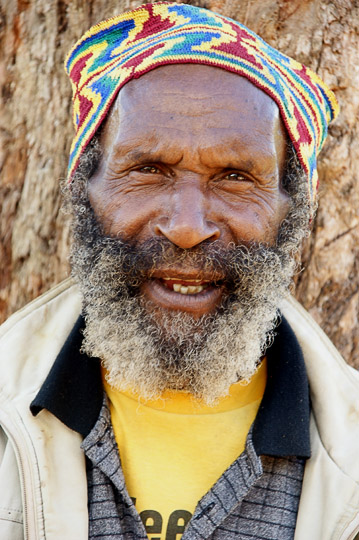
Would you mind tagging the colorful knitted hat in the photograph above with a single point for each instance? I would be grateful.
(125, 47)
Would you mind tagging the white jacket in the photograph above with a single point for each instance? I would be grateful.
(43, 489)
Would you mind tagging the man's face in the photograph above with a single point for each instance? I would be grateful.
(192, 154)
(176, 246)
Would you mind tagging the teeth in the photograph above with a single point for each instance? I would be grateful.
(189, 280)
(187, 290)
(193, 290)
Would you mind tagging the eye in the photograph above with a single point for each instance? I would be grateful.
(149, 169)
(236, 176)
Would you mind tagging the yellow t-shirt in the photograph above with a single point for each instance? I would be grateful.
(174, 449)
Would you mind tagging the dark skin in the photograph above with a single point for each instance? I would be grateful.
(191, 153)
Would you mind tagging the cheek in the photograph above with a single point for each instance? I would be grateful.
(281, 211)
(248, 226)
(123, 215)
(283, 206)
(257, 222)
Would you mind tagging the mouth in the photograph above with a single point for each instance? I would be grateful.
(185, 286)
(193, 294)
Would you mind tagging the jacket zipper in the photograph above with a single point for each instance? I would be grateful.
(22, 481)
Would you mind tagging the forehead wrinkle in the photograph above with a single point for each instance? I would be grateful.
(191, 101)
(132, 151)
(238, 154)
(166, 117)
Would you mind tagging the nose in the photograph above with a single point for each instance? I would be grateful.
(187, 224)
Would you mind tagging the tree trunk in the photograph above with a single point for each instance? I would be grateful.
(36, 131)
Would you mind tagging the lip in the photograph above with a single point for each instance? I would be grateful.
(187, 275)
(198, 304)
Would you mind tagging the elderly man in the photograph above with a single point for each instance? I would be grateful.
(177, 390)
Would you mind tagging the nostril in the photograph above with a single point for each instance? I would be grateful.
(159, 224)
(216, 231)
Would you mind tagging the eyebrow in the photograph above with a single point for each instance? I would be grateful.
(142, 156)
(130, 152)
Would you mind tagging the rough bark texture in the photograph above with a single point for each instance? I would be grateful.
(36, 130)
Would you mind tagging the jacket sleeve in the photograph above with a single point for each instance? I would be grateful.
(11, 515)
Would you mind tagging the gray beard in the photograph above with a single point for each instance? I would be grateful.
(150, 350)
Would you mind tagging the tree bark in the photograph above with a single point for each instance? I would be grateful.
(36, 131)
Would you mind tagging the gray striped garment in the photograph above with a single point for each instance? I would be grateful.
(255, 498)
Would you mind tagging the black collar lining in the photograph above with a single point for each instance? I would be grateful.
(73, 389)
(281, 427)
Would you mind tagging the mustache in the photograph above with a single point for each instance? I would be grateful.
(231, 264)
